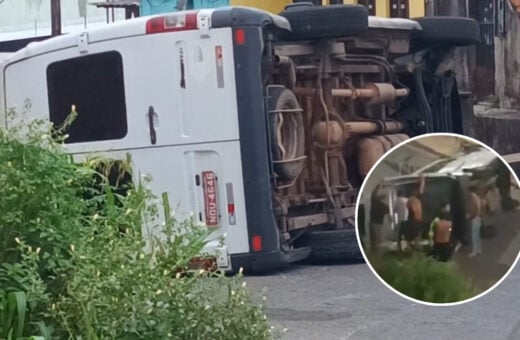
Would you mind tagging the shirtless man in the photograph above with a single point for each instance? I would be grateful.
(474, 217)
(441, 235)
(415, 214)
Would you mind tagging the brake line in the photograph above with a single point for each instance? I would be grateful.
(424, 106)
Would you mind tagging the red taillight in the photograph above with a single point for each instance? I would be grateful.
(257, 243)
(231, 214)
(172, 23)
(240, 36)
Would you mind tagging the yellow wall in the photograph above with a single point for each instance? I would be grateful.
(273, 6)
(383, 8)
(417, 7)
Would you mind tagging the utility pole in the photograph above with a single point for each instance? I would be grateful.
(55, 17)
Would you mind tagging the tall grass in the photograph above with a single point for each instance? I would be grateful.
(12, 318)
(73, 262)
(425, 279)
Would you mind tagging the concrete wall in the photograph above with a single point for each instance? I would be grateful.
(507, 62)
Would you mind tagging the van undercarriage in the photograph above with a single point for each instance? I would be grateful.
(337, 100)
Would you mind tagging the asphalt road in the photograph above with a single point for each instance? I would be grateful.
(349, 302)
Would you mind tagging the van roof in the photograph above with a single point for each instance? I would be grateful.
(449, 167)
(412, 178)
(220, 17)
(458, 163)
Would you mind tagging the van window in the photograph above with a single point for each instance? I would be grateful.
(95, 85)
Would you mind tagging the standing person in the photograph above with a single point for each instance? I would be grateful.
(440, 234)
(378, 211)
(415, 214)
(402, 216)
(474, 216)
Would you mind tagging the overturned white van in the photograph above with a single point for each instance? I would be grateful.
(262, 125)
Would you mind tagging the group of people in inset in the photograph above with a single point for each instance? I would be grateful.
(414, 227)
(439, 232)
(443, 242)
(443, 231)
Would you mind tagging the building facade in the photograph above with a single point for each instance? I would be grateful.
(21, 19)
(383, 8)
(507, 58)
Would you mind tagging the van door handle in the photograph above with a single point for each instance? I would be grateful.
(153, 135)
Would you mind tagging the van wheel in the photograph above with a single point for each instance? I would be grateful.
(309, 22)
(287, 135)
(449, 31)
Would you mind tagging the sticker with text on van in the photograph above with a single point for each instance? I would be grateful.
(210, 198)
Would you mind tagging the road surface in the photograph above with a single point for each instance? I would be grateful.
(498, 253)
(349, 302)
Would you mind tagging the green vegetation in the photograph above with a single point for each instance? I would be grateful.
(77, 263)
(423, 278)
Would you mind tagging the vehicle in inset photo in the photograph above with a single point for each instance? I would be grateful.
(437, 218)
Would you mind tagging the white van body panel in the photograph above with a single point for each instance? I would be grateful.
(183, 118)
(196, 126)
(173, 170)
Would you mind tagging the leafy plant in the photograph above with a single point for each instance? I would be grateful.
(82, 258)
(150, 293)
(22, 291)
(12, 315)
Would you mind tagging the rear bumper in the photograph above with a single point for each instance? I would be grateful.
(260, 262)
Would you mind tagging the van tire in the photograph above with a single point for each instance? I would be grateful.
(333, 245)
(447, 31)
(315, 22)
(293, 134)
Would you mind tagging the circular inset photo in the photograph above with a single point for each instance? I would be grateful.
(441, 216)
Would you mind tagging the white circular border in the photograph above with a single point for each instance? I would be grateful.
(360, 194)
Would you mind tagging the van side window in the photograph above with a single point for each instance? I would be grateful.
(95, 85)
